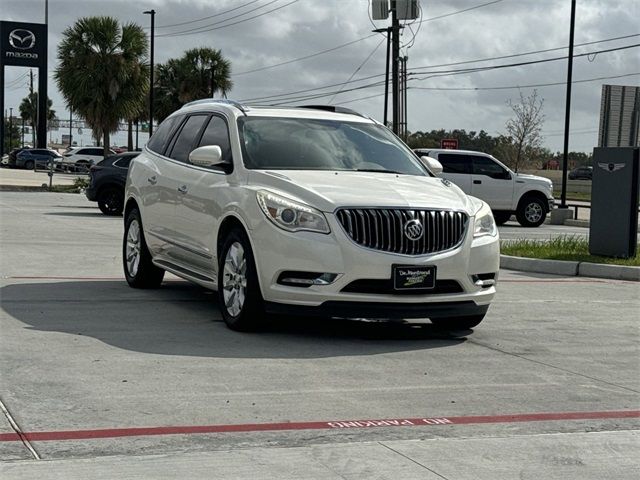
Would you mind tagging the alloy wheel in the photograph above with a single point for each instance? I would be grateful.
(132, 250)
(234, 279)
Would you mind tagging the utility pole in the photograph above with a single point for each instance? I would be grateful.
(23, 133)
(567, 115)
(153, 34)
(395, 40)
(70, 127)
(213, 78)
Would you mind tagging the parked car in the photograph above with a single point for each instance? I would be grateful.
(11, 159)
(529, 197)
(40, 157)
(314, 211)
(581, 173)
(107, 180)
(83, 157)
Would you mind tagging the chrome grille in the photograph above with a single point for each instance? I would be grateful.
(383, 229)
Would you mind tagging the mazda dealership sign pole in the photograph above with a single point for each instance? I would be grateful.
(25, 45)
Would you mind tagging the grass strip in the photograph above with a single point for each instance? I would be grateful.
(566, 247)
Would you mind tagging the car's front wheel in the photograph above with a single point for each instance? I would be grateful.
(29, 164)
(239, 293)
(139, 269)
(110, 201)
(458, 323)
(531, 212)
(501, 217)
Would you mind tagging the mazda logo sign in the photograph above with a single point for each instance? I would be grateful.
(413, 230)
(22, 39)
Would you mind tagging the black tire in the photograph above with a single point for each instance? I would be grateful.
(111, 200)
(501, 217)
(250, 315)
(531, 212)
(458, 323)
(146, 275)
(28, 165)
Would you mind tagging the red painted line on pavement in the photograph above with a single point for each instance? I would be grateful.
(64, 278)
(333, 425)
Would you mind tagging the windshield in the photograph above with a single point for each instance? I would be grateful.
(308, 144)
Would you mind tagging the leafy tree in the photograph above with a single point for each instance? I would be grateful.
(13, 134)
(525, 128)
(102, 72)
(29, 112)
(199, 73)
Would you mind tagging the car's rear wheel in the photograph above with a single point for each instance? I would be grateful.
(29, 164)
(110, 201)
(139, 269)
(531, 212)
(239, 293)
(458, 323)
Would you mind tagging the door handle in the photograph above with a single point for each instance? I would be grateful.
(152, 180)
(183, 189)
(477, 182)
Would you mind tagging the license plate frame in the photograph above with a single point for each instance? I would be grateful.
(414, 277)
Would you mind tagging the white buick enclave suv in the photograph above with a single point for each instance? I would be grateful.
(312, 211)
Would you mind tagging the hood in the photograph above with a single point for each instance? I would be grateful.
(328, 190)
(533, 178)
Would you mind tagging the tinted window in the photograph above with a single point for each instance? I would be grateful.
(83, 151)
(452, 163)
(217, 133)
(486, 166)
(123, 162)
(160, 138)
(186, 138)
(95, 151)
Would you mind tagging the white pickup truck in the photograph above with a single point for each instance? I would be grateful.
(529, 197)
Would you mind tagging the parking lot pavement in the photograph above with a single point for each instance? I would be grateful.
(90, 368)
(10, 177)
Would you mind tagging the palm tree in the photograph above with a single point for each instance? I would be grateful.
(103, 74)
(199, 73)
(29, 112)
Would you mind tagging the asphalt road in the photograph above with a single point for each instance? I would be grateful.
(102, 381)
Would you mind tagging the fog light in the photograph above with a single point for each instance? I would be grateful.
(306, 279)
(484, 280)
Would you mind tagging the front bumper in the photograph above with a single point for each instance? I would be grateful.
(277, 251)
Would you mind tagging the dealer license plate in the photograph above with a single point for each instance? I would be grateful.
(410, 277)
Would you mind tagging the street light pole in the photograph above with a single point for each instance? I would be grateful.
(567, 116)
(153, 26)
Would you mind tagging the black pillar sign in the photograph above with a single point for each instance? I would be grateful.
(25, 45)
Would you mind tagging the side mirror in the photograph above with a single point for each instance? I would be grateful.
(432, 164)
(207, 156)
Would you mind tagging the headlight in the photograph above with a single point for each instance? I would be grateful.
(484, 223)
(291, 216)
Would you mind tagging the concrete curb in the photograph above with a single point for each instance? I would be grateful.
(568, 268)
(577, 223)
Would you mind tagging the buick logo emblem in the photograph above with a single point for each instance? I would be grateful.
(611, 167)
(22, 39)
(413, 230)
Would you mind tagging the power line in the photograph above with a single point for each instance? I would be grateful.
(355, 41)
(522, 86)
(440, 73)
(207, 18)
(358, 69)
(204, 29)
(333, 49)
(497, 88)
(432, 66)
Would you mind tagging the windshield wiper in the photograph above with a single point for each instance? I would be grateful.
(376, 170)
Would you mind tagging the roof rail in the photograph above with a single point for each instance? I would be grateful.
(333, 108)
(225, 101)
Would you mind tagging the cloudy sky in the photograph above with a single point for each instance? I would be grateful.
(266, 39)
